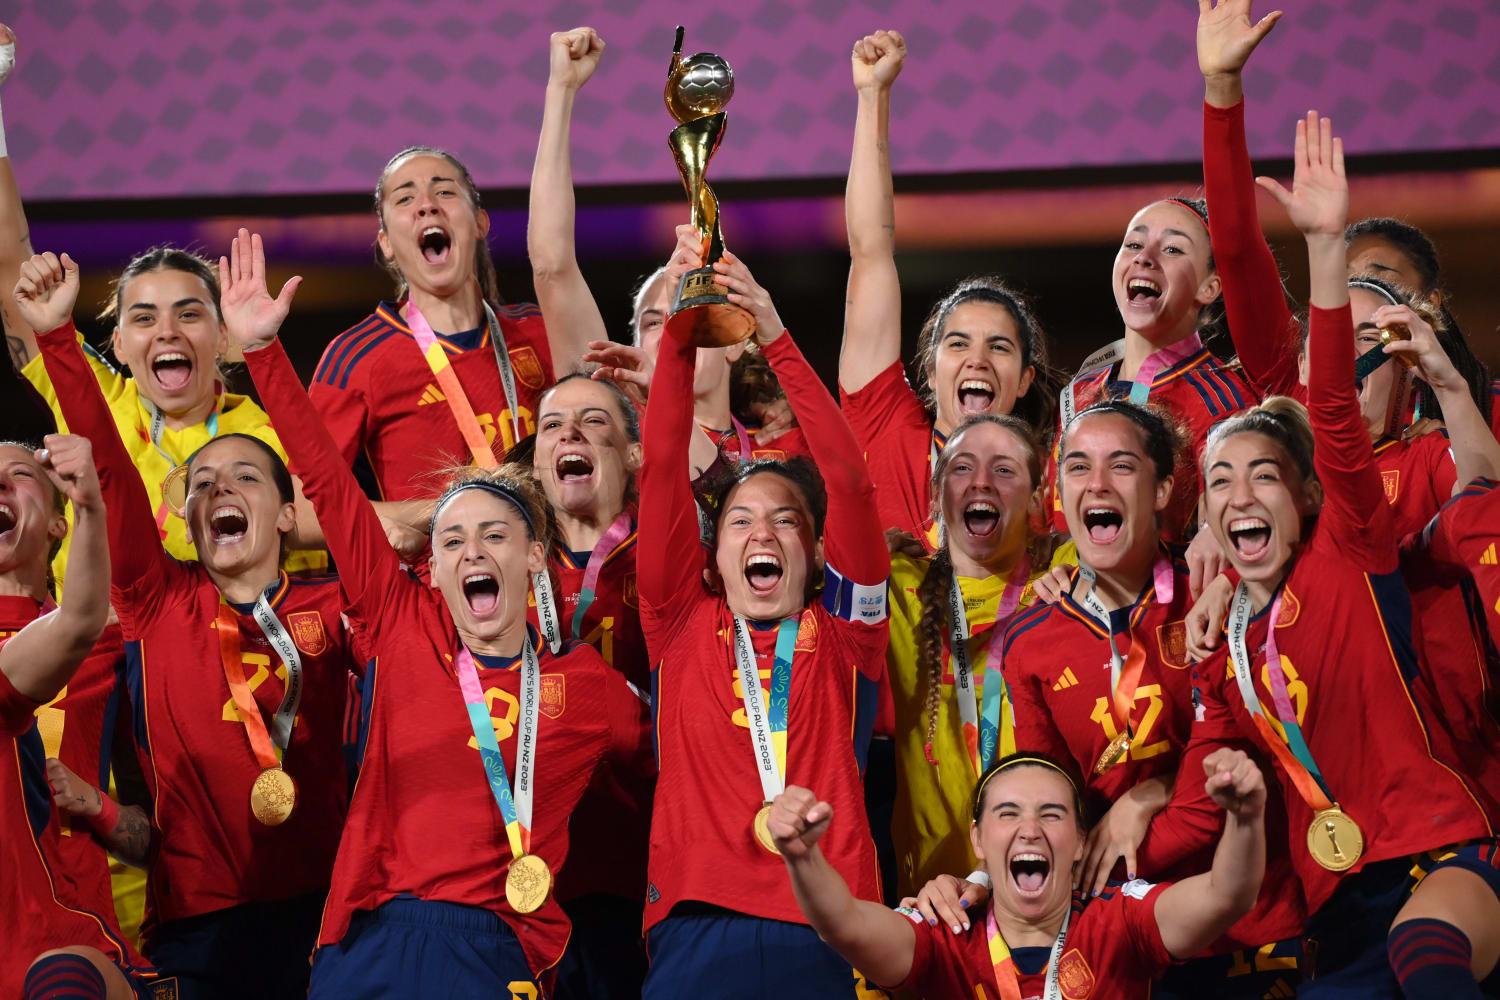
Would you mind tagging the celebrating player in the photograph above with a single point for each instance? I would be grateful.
(980, 349)
(49, 947)
(986, 486)
(1037, 939)
(1321, 666)
(445, 869)
(244, 813)
(721, 622)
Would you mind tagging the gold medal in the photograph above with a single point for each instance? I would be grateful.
(1335, 840)
(273, 796)
(1117, 749)
(761, 827)
(527, 883)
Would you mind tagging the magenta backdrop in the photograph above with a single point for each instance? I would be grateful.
(168, 98)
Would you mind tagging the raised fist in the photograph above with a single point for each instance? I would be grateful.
(877, 60)
(47, 290)
(798, 821)
(574, 56)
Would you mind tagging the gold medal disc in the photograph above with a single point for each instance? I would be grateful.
(1334, 840)
(761, 827)
(527, 883)
(273, 797)
(1117, 749)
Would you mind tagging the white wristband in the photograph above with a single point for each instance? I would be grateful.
(979, 877)
(7, 63)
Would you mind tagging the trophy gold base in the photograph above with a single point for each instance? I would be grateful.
(702, 314)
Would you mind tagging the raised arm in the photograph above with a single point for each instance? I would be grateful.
(1266, 335)
(872, 308)
(853, 539)
(44, 298)
(1354, 506)
(124, 831)
(15, 235)
(879, 942)
(1193, 913)
(568, 307)
(353, 530)
(41, 658)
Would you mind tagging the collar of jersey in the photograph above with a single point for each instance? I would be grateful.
(452, 343)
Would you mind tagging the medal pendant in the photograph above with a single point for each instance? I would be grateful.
(273, 797)
(1334, 840)
(1112, 755)
(527, 883)
(761, 827)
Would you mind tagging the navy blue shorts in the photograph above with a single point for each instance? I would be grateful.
(412, 947)
(606, 959)
(702, 951)
(253, 951)
(1272, 970)
(1345, 949)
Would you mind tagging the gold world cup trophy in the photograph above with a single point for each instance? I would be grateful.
(698, 88)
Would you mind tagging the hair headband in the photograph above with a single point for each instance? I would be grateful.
(493, 488)
(1378, 289)
(1017, 762)
(1200, 213)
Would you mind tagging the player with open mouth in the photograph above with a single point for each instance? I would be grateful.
(236, 674)
(1035, 938)
(980, 349)
(759, 679)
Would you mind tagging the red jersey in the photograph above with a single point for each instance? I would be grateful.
(1056, 663)
(1417, 476)
(779, 448)
(381, 402)
(611, 827)
(77, 727)
(709, 788)
(423, 821)
(898, 440)
(1345, 635)
(1495, 407)
(209, 851)
(1198, 392)
(32, 917)
(1465, 534)
(1113, 951)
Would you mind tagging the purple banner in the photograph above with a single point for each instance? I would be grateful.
(170, 98)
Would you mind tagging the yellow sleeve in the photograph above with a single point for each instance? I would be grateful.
(111, 382)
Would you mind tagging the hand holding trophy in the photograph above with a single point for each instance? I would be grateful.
(698, 88)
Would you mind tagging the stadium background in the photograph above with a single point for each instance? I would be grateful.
(1024, 136)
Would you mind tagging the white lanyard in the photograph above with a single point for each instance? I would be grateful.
(772, 780)
(281, 641)
(526, 738)
(958, 637)
(546, 610)
(1162, 575)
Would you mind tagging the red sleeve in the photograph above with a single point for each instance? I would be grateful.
(852, 537)
(1191, 822)
(669, 557)
(1137, 912)
(339, 396)
(1355, 513)
(131, 564)
(368, 566)
(630, 745)
(1442, 474)
(16, 710)
(1265, 333)
(887, 401)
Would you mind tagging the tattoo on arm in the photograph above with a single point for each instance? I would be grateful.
(19, 355)
(130, 840)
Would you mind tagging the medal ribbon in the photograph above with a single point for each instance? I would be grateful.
(458, 401)
(1292, 751)
(1140, 389)
(227, 624)
(1006, 976)
(613, 536)
(747, 451)
(515, 809)
(1125, 672)
(768, 722)
(158, 427)
(958, 646)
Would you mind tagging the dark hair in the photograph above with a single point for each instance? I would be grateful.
(751, 382)
(59, 499)
(1160, 432)
(630, 417)
(1212, 324)
(1029, 758)
(1406, 238)
(797, 470)
(1280, 418)
(279, 473)
(934, 623)
(161, 258)
(484, 264)
(1035, 407)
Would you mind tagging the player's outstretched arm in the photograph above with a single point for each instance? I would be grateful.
(125, 831)
(568, 307)
(42, 657)
(15, 235)
(1191, 914)
(872, 307)
(879, 942)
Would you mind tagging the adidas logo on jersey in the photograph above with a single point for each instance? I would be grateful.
(431, 394)
(1067, 680)
(1488, 557)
